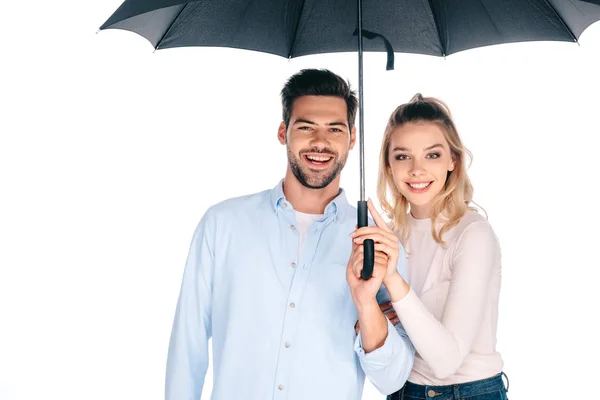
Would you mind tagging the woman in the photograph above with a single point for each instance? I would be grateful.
(449, 307)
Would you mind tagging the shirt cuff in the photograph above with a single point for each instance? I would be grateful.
(384, 355)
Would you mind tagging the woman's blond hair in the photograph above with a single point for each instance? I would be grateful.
(451, 204)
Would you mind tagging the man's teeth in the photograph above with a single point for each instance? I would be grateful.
(319, 159)
(419, 185)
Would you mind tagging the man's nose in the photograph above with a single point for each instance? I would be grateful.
(320, 136)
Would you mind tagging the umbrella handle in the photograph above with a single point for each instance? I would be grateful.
(369, 245)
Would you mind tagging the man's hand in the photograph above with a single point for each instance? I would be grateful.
(365, 290)
(374, 330)
(385, 240)
(388, 311)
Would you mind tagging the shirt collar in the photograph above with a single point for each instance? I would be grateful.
(336, 208)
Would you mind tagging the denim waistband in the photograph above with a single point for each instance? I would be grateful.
(414, 391)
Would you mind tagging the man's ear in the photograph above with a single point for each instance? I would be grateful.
(282, 133)
(352, 137)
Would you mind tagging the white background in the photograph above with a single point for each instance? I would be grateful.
(110, 154)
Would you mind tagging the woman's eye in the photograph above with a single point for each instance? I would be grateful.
(400, 157)
(433, 155)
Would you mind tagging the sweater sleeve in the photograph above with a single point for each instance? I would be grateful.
(444, 344)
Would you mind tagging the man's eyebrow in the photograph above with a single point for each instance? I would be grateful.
(306, 121)
(303, 121)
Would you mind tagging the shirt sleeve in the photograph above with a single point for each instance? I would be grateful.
(187, 360)
(389, 366)
(444, 344)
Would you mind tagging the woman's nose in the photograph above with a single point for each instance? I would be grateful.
(416, 168)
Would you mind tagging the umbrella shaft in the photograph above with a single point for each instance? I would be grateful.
(361, 140)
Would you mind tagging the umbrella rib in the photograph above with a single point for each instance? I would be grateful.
(296, 29)
(170, 26)
(437, 28)
(562, 21)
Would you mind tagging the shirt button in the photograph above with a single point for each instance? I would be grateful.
(287, 345)
(293, 265)
(292, 305)
(284, 205)
(280, 387)
(293, 228)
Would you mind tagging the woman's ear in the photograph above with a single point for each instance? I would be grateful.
(452, 164)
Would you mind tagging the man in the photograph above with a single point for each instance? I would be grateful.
(266, 276)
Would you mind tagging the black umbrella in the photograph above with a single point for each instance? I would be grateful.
(293, 28)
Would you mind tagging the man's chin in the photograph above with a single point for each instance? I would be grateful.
(318, 182)
(315, 186)
(314, 179)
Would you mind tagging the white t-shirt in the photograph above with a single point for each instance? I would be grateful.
(303, 224)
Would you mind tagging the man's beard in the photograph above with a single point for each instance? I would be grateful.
(316, 180)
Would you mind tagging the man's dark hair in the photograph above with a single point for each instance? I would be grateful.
(317, 82)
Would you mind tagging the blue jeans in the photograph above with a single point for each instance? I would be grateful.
(485, 389)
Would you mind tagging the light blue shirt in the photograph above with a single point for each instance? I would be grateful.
(282, 325)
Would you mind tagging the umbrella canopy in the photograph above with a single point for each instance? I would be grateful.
(296, 28)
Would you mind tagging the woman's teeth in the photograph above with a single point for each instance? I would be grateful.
(419, 185)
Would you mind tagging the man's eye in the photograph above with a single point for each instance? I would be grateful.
(304, 128)
(336, 130)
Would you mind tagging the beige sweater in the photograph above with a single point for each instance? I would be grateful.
(451, 311)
